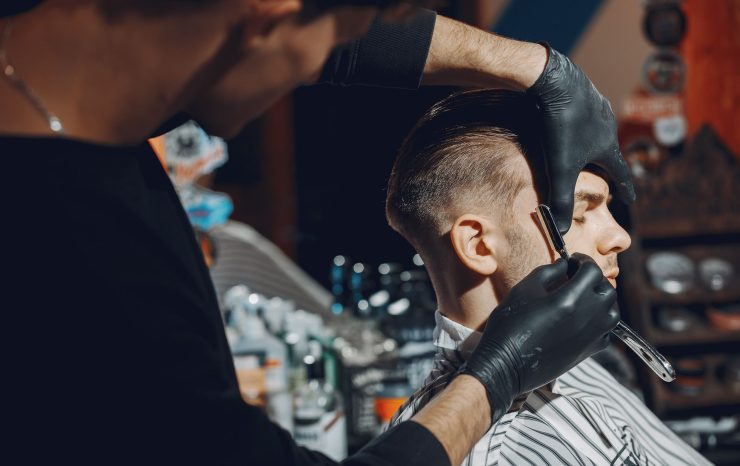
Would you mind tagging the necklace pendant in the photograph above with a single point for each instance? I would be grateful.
(55, 125)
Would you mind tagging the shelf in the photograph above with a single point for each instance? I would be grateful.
(699, 335)
(699, 293)
(716, 394)
(694, 296)
(687, 229)
(673, 214)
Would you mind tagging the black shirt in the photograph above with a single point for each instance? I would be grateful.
(115, 351)
(123, 352)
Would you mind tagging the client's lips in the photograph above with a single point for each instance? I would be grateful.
(612, 273)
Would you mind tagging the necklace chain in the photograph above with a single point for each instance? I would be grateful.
(9, 72)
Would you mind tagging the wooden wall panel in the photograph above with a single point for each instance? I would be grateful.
(712, 52)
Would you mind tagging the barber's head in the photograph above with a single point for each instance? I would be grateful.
(288, 51)
(463, 193)
(223, 61)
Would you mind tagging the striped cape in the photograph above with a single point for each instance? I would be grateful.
(585, 418)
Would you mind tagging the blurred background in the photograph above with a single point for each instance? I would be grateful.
(337, 288)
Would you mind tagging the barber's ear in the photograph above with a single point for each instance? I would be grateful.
(477, 243)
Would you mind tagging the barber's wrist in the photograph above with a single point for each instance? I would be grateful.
(462, 55)
(457, 416)
(497, 395)
(527, 64)
(477, 391)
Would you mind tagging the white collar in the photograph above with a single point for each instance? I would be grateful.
(450, 335)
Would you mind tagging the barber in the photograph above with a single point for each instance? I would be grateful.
(119, 353)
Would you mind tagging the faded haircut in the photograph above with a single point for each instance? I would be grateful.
(459, 156)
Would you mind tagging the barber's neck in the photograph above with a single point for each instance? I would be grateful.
(107, 80)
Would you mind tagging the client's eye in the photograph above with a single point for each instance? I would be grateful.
(579, 219)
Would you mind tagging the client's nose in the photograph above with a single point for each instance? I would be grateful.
(614, 239)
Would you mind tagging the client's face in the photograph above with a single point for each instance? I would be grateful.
(593, 232)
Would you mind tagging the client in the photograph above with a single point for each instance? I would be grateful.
(462, 192)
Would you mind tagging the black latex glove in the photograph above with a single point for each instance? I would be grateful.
(578, 129)
(546, 325)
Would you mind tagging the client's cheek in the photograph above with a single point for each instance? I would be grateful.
(573, 243)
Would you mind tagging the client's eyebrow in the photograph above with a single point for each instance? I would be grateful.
(589, 196)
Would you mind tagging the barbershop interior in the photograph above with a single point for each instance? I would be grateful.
(331, 313)
(334, 286)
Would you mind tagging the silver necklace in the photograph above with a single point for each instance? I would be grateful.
(9, 72)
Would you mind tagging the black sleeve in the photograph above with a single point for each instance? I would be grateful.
(173, 122)
(407, 443)
(390, 55)
(264, 442)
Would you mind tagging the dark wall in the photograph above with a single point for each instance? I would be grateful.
(345, 144)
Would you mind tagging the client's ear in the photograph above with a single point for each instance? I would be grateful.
(477, 243)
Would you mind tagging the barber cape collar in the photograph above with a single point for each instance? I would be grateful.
(449, 335)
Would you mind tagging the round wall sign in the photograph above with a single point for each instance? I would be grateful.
(664, 72)
(664, 24)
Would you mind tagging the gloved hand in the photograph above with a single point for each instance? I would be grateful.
(578, 128)
(546, 325)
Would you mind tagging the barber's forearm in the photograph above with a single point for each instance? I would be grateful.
(458, 417)
(463, 55)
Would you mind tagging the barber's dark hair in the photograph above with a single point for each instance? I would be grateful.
(459, 153)
(312, 8)
(14, 7)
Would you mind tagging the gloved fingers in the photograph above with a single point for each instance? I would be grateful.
(620, 173)
(614, 316)
(578, 259)
(606, 324)
(585, 280)
(606, 296)
(604, 287)
(562, 182)
(600, 344)
(550, 275)
(607, 316)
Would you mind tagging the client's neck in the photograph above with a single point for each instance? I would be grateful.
(463, 297)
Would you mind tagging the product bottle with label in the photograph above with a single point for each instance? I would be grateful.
(256, 342)
(296, 341)
(318, 416)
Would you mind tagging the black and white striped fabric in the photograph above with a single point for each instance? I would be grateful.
(584, 418)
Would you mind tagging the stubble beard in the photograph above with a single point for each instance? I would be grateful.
(521, 259)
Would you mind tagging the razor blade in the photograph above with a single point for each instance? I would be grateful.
(644, 350)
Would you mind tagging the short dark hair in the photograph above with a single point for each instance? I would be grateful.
(14, 7)
(312, 8)
(460, 152)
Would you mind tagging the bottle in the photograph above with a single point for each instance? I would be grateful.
(318, 417)
(361, 287)
(296, 340)
(390, 395)
(339, 277)
(255, 343)
(389, 274)
(274, 315)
